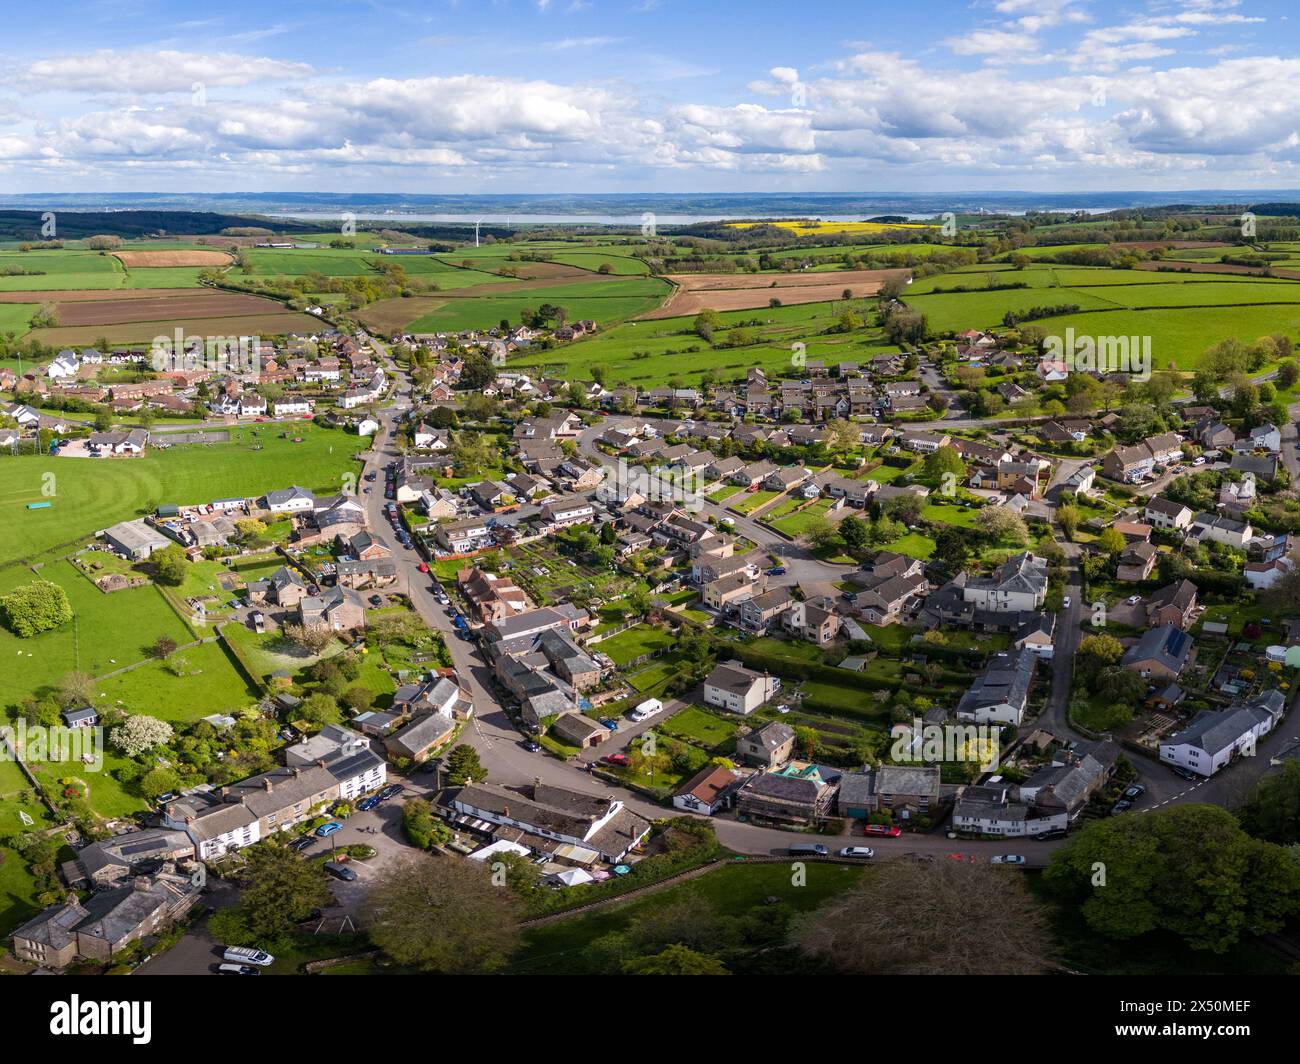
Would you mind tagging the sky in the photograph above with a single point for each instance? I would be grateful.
(570, 96)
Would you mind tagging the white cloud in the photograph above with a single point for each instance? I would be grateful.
(137, 73)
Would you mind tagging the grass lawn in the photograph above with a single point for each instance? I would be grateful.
(656, 674)
(723, 494)
(107, 632)
(914, 545)
(753, 501)
(700, 727)
(209, 682)
(91, 495)
(731, 890)
(634, 643)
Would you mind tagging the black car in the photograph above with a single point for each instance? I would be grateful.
(391, 791)
(1135, 792)
(531, 745)
(375, 600)
(1055, 833)
(302, 843)
(339, 871)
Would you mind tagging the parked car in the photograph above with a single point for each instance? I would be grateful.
(862, 852)
(339, 871)
(326, 830)
(236, 969)
(1065, 603)
(301, 843)
(886, 831)
(808, 849)
(610, 723)
(368, 803)
(1122, 806)
(531, 745)
(391, 791)
(423, 567)
(1187, 774)
(1007, 858)
(1135, 792)
(247, 955)
(962, 857)
(375, 600)
(1055, 833)
(615, 759)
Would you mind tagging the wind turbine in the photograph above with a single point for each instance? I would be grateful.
(476, 225)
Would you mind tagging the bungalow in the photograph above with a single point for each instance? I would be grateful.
(571, 510)
(707, 792)
(1218, 529)
(464, 536)
(925, 442)
(290, 500)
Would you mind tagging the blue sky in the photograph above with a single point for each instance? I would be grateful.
(663, 95)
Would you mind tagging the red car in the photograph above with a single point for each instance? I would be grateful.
(962, 857)
(615, 759)
(423, 567)
(885, 831)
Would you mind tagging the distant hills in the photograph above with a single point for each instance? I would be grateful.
(74, 225)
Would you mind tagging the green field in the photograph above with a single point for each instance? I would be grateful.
(600, 301)
(91, 495)
(636, 642)
(61, 270)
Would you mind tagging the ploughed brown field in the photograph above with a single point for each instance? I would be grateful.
(139, 260)
(142, 332)
(204, 303)
(749, 291)
(92, 295)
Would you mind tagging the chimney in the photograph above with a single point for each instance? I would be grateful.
(267, 785)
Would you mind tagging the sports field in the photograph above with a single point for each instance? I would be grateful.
(90, 495)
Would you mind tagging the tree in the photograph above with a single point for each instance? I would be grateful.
(1095, 653)
(463, 765)
(856, 534)
(280, 888)
(841, 436)
(910, 918)
(1273, 811)
(1111, 541)
(441, 914)
(818, 531)
(1188, 869)
(163, 647)
(358, 699)
(1002, 525)
(423, 828)
(313, 638)
(78, 689)
(160, 780)
(139, 734)
(952, 548)
(320, 708)
(944, 461)
(170, 565)
(33, 608)
(675, 960)
(1288, 373)
(1068, 518)
(707, 322)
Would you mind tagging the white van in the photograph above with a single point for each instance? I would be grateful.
(247, 955)
(646, 710)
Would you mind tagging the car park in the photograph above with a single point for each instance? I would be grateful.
(340, 871)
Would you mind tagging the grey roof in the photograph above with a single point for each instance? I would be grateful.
(421, 733)
(907, 779)
(1005, 679)
(1168, 645)
(771, 735)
